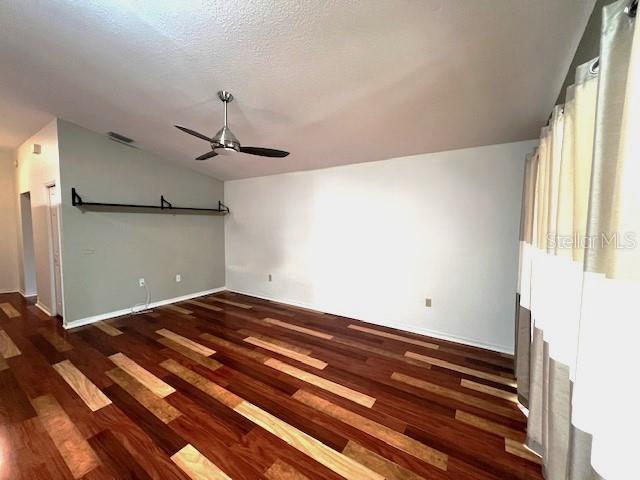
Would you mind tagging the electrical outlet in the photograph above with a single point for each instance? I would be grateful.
(269, 277)
(427, 302)
(141, 282)
(178, 277)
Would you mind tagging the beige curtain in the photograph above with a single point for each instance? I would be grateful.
(577, 327)
(604, 416)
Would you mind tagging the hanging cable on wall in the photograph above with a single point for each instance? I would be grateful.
(145, 305)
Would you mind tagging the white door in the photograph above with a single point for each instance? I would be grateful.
(55, 246)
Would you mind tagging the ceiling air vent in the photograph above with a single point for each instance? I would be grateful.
(116, 137)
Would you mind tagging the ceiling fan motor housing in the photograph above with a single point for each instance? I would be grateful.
(225, 139)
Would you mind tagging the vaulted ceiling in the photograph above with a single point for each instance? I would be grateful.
(333, 82)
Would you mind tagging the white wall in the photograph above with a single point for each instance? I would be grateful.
(33, 174)
(373, 240)
(105, 253)
(8, 224)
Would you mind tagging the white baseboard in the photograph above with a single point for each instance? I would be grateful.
(127, 311)
(408, 328)
(43, 308)
(472, 342)
(284, 301)
(17, 290)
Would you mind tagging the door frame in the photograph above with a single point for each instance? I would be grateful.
(52, 268)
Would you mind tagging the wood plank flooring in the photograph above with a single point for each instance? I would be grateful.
(233, 387)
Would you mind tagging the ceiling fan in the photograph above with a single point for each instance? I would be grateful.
(225, 141)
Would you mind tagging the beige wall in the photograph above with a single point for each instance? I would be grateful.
(34, 173)
(8, 224)
(105, 253)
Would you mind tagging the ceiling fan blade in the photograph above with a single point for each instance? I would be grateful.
(193, 132)
(207, 155)
(264, 152)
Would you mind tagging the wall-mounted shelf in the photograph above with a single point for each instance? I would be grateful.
(164, 207)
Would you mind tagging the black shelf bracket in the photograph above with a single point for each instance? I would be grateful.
(75, 198)
(164, 207)
(164, 203)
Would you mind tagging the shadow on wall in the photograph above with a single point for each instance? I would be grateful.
(28, 270)
(35, 265)
(287, 240)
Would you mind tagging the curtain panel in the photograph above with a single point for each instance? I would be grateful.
(577, 322)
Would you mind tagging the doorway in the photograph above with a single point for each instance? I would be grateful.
(53, 203)
(28, 280)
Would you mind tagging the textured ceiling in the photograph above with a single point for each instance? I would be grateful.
(333, 82)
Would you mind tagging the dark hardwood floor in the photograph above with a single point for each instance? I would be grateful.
(230, 386)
